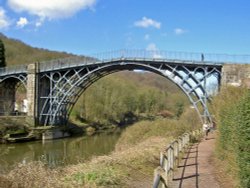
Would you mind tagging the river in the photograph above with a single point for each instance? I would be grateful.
(58, 152)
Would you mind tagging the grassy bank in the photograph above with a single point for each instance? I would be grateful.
(233, 120)
(131, 164)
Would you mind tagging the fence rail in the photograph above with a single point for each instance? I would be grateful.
(169, 158)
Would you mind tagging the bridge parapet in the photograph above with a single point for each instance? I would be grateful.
(182, 57)
(171, 56)
(18, 69)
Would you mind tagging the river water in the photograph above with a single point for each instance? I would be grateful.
(58, 152)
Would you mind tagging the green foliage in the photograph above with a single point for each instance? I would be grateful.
(2, 54)
(234, 131)
(106, 176)
(167, 128)
(242, 146)
(180, 108)
(117, 99)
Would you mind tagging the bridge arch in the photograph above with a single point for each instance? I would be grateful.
(67, 86)
(11, 87)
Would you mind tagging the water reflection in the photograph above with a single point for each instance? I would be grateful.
(57, 152)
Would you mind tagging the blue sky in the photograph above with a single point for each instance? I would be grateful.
(92, 26)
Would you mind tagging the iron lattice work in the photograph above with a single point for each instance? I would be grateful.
(59, 89)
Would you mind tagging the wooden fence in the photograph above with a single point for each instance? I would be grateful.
(169, 158)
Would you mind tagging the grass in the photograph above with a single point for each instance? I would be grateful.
(131, 164)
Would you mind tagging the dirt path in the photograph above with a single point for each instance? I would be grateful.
(196, 169)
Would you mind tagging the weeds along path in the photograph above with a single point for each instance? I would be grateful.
(196, 169)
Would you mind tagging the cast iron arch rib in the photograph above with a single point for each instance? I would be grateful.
(65, 91)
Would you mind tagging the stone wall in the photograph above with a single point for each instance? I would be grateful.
(236, 75)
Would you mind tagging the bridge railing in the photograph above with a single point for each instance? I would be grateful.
(169, 158)
(170, 55)
(142, 54)
(65, 63)
(184, 57)
(13, 70)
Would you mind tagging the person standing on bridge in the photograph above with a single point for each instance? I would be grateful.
(202, 57)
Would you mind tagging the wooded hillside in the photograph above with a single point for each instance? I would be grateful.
(17, 52)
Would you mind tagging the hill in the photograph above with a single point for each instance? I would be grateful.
(17, 52)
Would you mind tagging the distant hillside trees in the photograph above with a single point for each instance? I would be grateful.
(17, 52)
(2, 54)
(116, 99)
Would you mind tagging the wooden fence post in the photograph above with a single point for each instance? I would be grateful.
(169, 158)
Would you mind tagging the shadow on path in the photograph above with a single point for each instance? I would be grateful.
(189, 166)
(195, 169)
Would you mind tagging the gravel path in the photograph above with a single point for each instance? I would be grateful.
(196, 169)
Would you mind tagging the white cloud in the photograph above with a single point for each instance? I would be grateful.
(4, 20)
(50, 9)
(38, 23)
(179, 31)
(22, 22)
(153, 50)
(147, 22)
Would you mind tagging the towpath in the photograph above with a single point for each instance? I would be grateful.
(196, 169)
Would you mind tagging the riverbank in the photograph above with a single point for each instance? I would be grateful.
(15, 129)
(131, 164)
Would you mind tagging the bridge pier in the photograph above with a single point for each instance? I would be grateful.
(32, 94)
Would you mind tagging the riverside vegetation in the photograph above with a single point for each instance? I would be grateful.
(232, 111)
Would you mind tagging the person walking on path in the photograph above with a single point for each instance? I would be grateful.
(206, 129)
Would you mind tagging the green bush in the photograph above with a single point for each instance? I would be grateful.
(234, 132)
(242, 146)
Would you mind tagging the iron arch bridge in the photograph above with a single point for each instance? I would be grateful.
(57, 85)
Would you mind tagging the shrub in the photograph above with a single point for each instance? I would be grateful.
(234, 132)
(242, 145)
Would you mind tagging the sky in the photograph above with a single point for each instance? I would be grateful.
(91, 26)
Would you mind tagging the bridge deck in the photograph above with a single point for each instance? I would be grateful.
(135, 55)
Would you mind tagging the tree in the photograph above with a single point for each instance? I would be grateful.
(2, 55)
